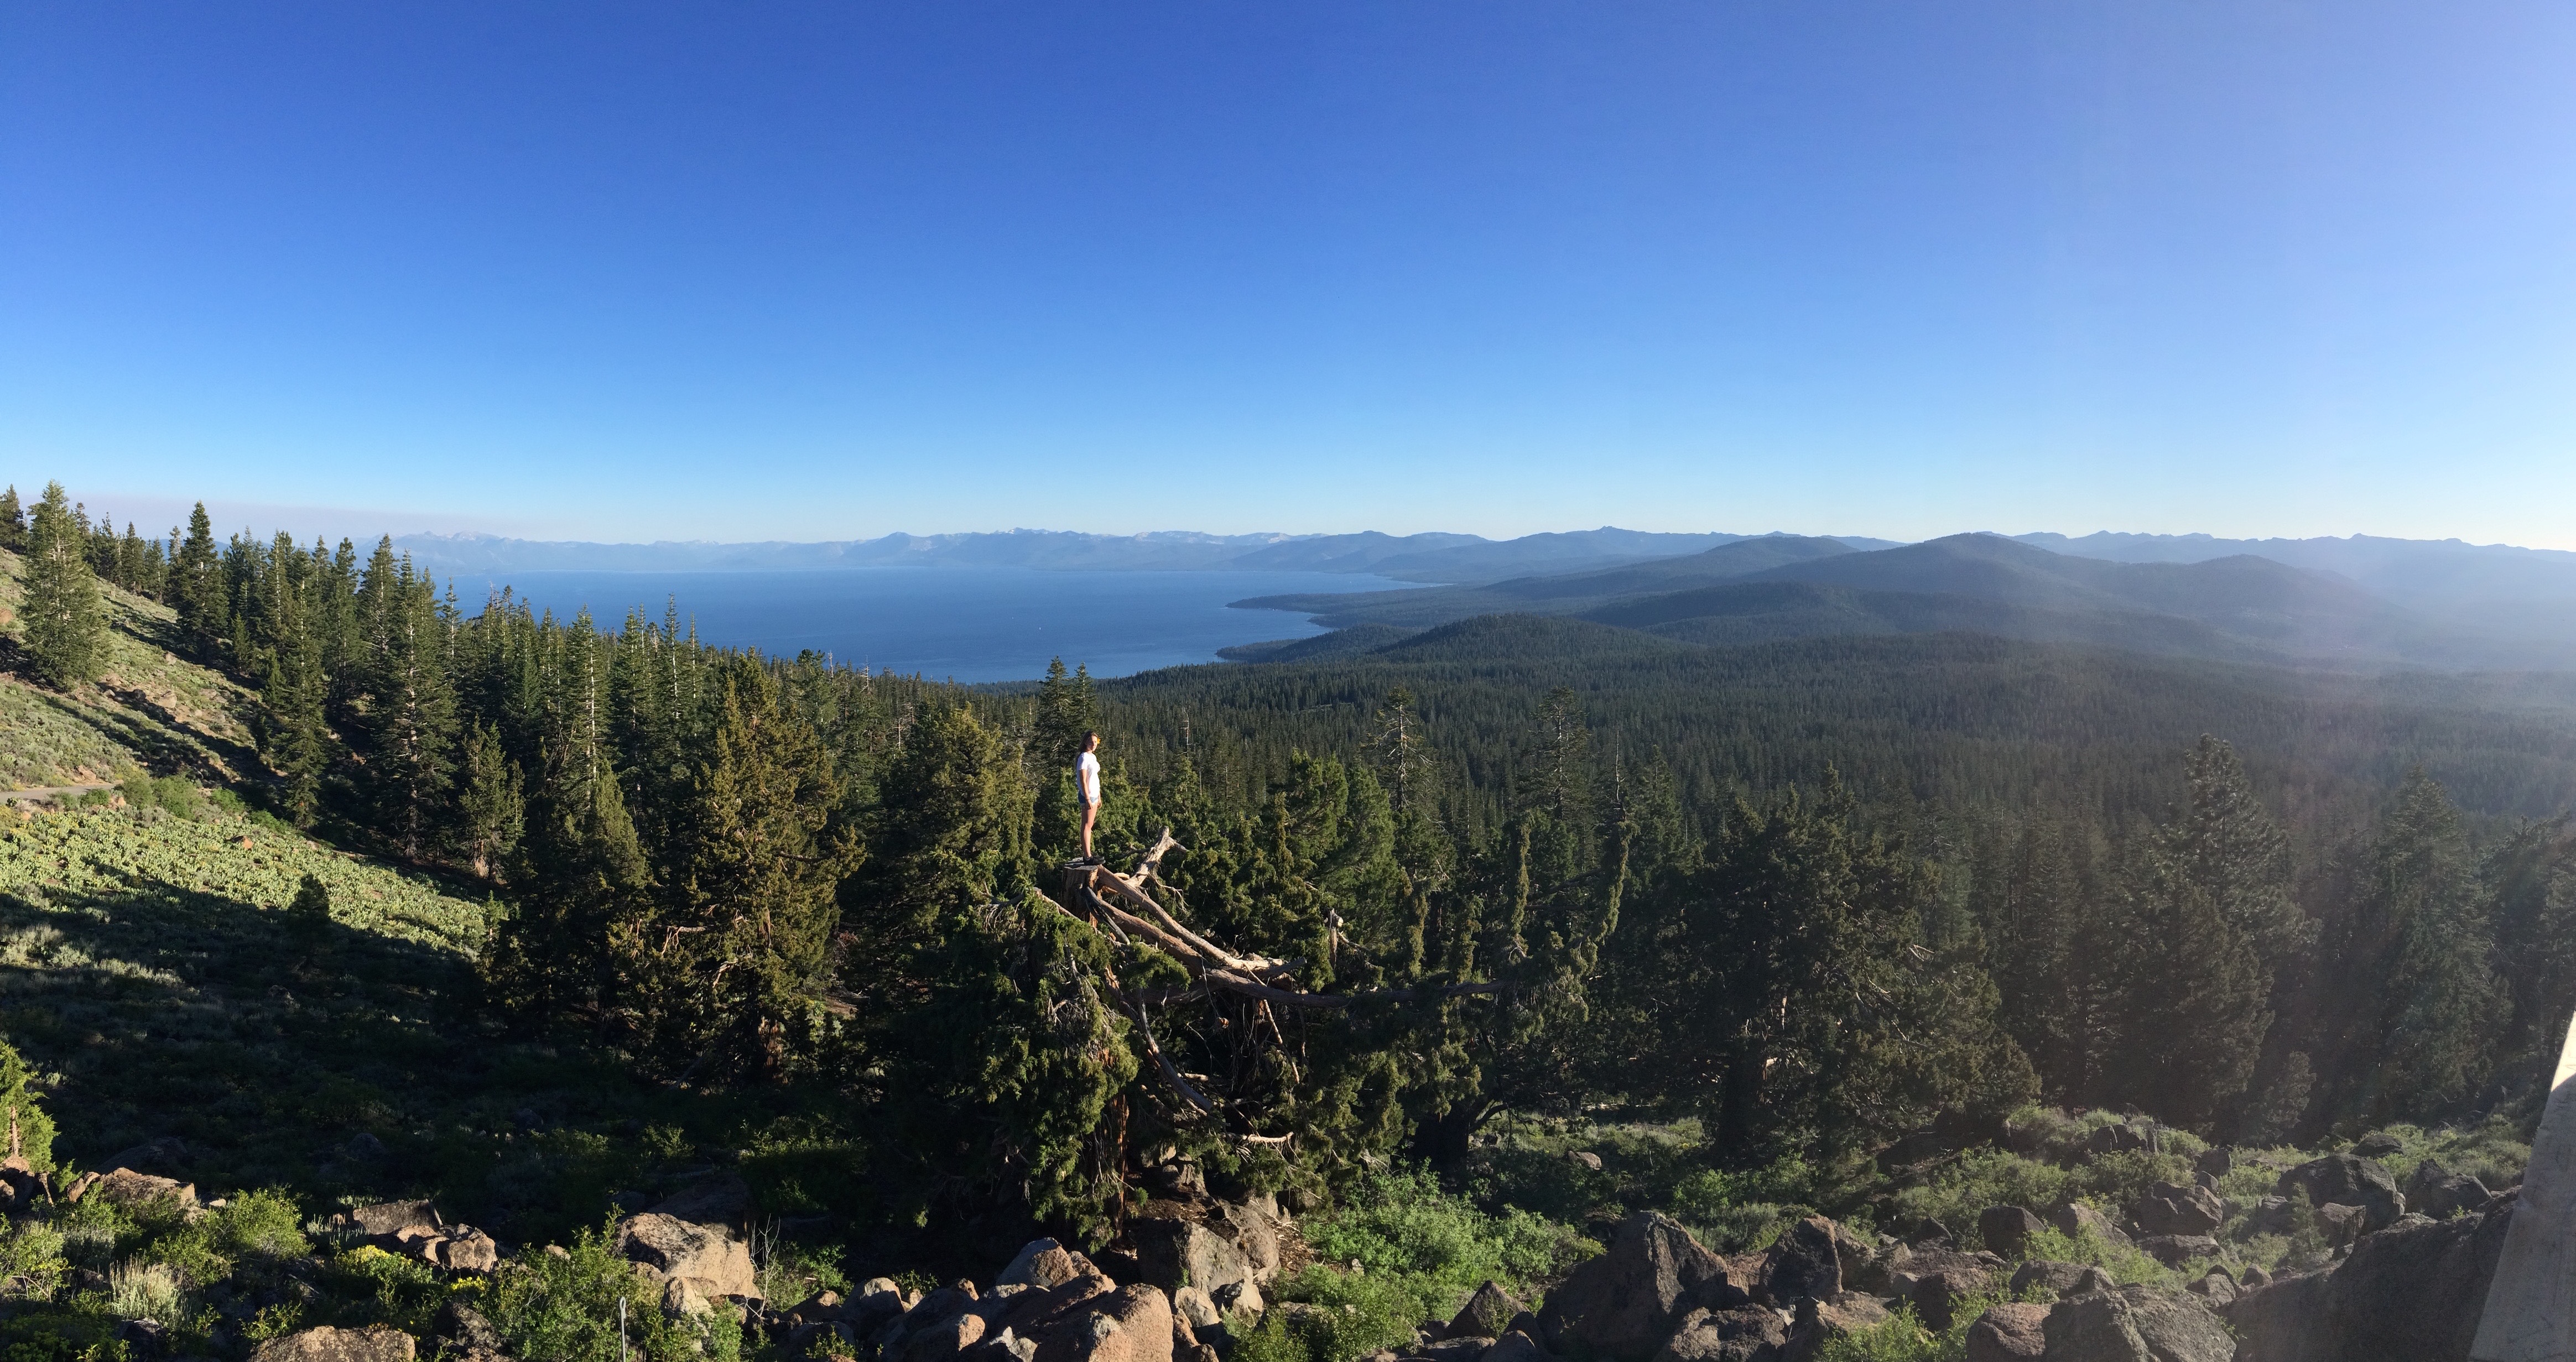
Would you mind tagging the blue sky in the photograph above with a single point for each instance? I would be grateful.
(787, 270)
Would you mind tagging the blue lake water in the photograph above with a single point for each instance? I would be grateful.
(972, 624)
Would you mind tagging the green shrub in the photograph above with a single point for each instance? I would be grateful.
(565, 1307)
(1978, 1179)
(1901, 1337)
(1335, 1316)
(33, 1250)
(2126, 1264)
(1402, 1227)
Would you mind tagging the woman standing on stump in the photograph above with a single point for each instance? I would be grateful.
(1086, 778)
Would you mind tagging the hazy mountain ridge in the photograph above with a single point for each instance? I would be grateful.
(2235, 607)
(1427, 557)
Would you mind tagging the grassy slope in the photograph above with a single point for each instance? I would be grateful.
(147, 970)
(148, 708)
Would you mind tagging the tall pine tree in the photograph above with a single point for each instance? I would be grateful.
(65, 627)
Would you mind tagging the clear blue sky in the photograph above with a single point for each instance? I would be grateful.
(788, 270)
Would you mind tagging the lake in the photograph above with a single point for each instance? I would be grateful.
(970, 624)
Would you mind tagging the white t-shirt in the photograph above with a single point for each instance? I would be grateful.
(1086, 769)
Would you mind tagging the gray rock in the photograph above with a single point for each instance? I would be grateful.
(1489, 1312)
(1936, 1296)
(2378, 1144)
(2216, 1161)
(1172, 1252)
(2214, 1286)
(2008, 1229)
(2441, 1194)
(1821, 1322)
(1747, 1333)
(2174, 1250)
(391, 1217)
(1517, 1346)
(2075, 1219)
(2011, 1332)
(2412, 1294)
(2136, 1324)
(2348, 1180)
(1044, 1263)
(1194, 1305)
(712, 1262)
(2173, 1208)
(2056, 1278)
(1804, 1263)
(1626, 1302)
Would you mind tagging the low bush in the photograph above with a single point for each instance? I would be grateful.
(1402, 1227)
(587, 1304)
(1331, 1316)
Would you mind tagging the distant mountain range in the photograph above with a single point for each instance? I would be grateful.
(2406, 603)
(2358, 601)
(1446, 558)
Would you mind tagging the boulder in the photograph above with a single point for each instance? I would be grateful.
(1194, 1305)
(2174, 1250)
(2341, 1224)
(2008, 1229)
(1130, 1324)
(1804, 1263)
(938, 1340)
(1626, 1302)
(2378, 1144)
(125, 1187)
(713, 1262)
(2174, 1208)
(1489, 1312)
(2056, 1278)
(1026, 1316)
(2011, 1332)
(1254, 1236)
(2216, 1161)
(461, 1328)
(2214, 1286)
(2348, 1180)
(2075, 1219)
(1517, 1346)
(388, 1218)
(2441, 1194)
(338, 1345)
(1173, 1252)
(1460, 1348)
(469, 1250)
(2136, 1324)
(1747, 1333)
(1821, 1322)
(2409, 1294)
(1043, 1263)
(1936, 1296)
(2125, 1137)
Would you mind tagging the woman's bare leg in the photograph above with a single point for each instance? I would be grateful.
(1089, 812)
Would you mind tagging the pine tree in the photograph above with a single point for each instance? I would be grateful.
(410, 710)
(30, 1132)
(65, 627)
(292, 733)
(2191, 1008)
(492, 810)
(196, 588)
(739, 952)
(13, 521)
(2419, 1023)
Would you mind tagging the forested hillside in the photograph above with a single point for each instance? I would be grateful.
(552, 913)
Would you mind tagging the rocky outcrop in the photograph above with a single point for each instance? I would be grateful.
(1747, 1333)
(1627, 1302)
(2008, 1229)
(1805, 1263)
(2012, 1332)
(2348, 1180)
(2176, 1209)
(2136, 1324)
(2408, 1294)
(2076, 1219)
(2441, 1194)
(699, 1260)
(1488, 1313)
